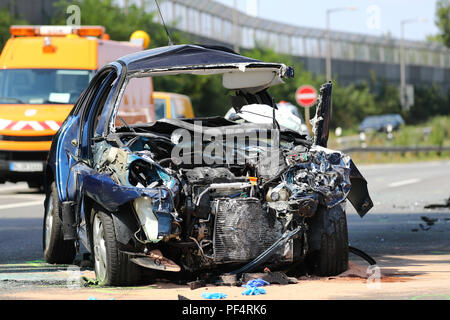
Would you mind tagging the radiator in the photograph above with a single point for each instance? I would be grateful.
(243, 230)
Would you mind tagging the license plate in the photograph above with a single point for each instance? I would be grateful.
(26, 166)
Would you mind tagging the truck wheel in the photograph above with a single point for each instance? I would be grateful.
(112, 268)
(56, 249)
(328, 241)
(35, 185)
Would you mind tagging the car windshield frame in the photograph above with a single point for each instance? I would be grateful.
(207, 69)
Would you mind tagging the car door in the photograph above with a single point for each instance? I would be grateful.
(71, 148)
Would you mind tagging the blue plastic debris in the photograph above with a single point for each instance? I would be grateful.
(214, 295)
(253, 291)
(256, 283)
(94, 298)
(253, 287)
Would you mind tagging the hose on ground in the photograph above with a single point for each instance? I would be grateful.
(363, 255)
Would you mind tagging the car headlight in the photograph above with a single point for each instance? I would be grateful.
(148, 220)
(275, 196)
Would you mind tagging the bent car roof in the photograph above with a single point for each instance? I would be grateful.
(189, 56)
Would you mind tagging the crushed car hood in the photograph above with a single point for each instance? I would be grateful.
(196, 59)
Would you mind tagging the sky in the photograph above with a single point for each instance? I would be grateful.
(373, 17)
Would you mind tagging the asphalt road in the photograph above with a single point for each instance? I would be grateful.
(400, 193)
(392, 230)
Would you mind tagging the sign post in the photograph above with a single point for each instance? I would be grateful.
(306, 97)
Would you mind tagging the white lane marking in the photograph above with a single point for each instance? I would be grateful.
(22, 196)
(403, 182)
(19, 205)
(5, 189)
(11, 188)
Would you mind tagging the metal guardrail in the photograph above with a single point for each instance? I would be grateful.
(399, 149)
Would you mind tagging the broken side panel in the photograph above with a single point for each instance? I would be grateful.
(106, 192)
(359, 194)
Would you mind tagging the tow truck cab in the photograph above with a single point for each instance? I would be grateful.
(43, 70)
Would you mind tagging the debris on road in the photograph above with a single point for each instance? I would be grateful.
(253, 291)
(429, 221)
(228, 280)
(253, 287)
(214, 295)
(438, 205)
(276, 277)
(89, 282)
(196, 284)
(256, 283)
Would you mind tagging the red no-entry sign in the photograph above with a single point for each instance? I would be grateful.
(306, 96)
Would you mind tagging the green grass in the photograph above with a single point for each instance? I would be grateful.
(435, 132)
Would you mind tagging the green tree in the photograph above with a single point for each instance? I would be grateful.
(386, 95)
(350, 103)
(117, 24)
(428, 101)
(7, 20)
(443, 21)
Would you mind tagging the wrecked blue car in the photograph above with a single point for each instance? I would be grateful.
(189, 195)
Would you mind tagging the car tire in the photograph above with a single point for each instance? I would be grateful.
(56, 249)
(328, 240)
(112, 267)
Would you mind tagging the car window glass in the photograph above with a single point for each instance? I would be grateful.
(96, 99)
(136, 103)
(177, 108)
(160, 108)
(99, 120)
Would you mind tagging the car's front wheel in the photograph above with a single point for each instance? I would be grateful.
(56, 249)
(112, 267)
(328, 239)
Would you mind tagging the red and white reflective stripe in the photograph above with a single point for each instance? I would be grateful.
(29, 125)
(4, 123)
(53, 124)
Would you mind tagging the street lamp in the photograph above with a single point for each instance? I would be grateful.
(235, 27)
(403, 60)
(328, 51)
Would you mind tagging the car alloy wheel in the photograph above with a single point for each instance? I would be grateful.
(99, 249)
(48, 222)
